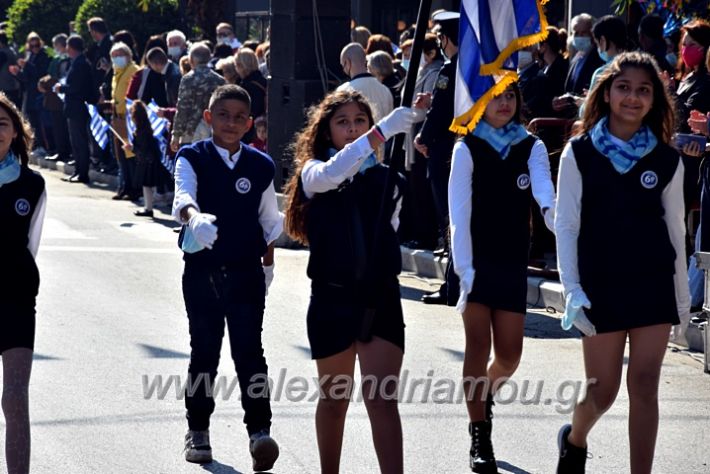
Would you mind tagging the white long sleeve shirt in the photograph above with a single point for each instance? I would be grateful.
(322, 176)
(270, 218)
(35, 233)
(567, 225)
(461, 191)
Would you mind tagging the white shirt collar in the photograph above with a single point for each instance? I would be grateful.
(230, 161)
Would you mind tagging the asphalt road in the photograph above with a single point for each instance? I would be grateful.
(111, 321)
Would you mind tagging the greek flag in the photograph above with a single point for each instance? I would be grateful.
(490, 34)
(159, 126)
(99, 127)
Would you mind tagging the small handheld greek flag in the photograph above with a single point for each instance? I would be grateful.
(490, 34)
(99, 127)
(159, 126)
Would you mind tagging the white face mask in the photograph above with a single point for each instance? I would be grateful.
(174, 51)
(525, 58)
(405, 64)
(119, 61)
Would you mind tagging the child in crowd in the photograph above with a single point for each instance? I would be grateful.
(223, 183)
(334, 201)
(261, 127)
(492, 172)
(22, 207)
(620, 186)
(147, 150)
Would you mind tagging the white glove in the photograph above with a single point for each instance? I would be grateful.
(203, 229)
(465, 287)
(574, 314)
(678, 332)
(400, 120)
(549, 216)
(268, 276)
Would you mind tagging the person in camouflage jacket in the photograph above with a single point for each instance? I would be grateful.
(194, 93)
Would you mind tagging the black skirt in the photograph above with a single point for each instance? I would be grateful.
(17, 303)
(338, 316)
(503, 287)
(643, 301)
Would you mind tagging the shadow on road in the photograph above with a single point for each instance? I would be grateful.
(219, 468)
(507, 467)
(541, 326)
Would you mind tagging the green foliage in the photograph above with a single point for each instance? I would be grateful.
(143, 18)
(46, 17)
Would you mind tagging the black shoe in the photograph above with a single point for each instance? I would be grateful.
(489, 408)
(54, 157)
(440, 252)
(71, 162)
(572, 459)
(434, 298)
(69, 178)
(75, 178)
(482, 459)
(143, 213)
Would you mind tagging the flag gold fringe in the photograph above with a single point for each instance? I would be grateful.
(468, 121)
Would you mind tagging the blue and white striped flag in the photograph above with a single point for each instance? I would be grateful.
(99, 127)
(490, 34)
(159, 126)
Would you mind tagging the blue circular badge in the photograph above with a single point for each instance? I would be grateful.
(243, 185)
(649, 179)
(22, 207)
(523, 181)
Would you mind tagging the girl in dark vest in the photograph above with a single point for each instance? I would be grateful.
(22, 207)
(147, 150)
(492, 172)
(620, 189)
(334, 200)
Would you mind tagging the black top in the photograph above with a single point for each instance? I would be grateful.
(18, 202)
(548, 84)
(435, 132)
(587, 64)
(341, 229)
(255, 85)
(693, 94)
(234, 197)
(501, 199)
(79, 88)
(620, 212)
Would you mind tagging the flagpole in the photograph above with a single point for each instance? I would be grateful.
(117, 135)
(396, 163)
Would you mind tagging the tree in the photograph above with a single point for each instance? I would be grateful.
(207, 15)
(143, 18)
(46, 17)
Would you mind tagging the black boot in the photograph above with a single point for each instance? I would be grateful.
(489, 406)
(482, 458)
(572, 458)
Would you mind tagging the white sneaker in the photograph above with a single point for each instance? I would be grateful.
(264, 451)
(197, 447)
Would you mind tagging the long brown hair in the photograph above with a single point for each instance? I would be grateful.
(22, 143)
(313, 142)
(660, 119)
(139, 115)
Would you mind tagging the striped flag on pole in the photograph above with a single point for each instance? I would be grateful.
(490, 34)
(159, 125)
(99, 127)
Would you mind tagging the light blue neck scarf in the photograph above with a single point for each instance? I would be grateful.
(501, 139)
(369, 162)
(623, 155)
(9, 169)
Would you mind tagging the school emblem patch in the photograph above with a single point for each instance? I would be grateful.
(22, 207)
(649, 179)
(523, 181)
(243, 185)
(442, 82)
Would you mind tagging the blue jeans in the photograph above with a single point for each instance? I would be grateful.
(237, 296)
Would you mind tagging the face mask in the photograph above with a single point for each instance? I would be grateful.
(582, 43)
(692, 55)
(604, 55)
(223, 39)
(120, 61)
(672, 59)
(187, 241)
(405, 64)
(525, 58)
(174, 51)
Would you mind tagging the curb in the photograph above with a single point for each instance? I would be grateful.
(94, 176)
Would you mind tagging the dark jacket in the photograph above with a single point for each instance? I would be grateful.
(79, 88)
(255, 85)
(548, 84)
(435, 132)
(35, 67)
(693, 94)
(578, 81)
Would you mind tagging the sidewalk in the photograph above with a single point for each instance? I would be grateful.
(542, 293)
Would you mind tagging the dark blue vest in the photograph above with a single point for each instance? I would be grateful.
(234, 197)
(501, 199)
(623, 213)
(341, 229)
(18, 203)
